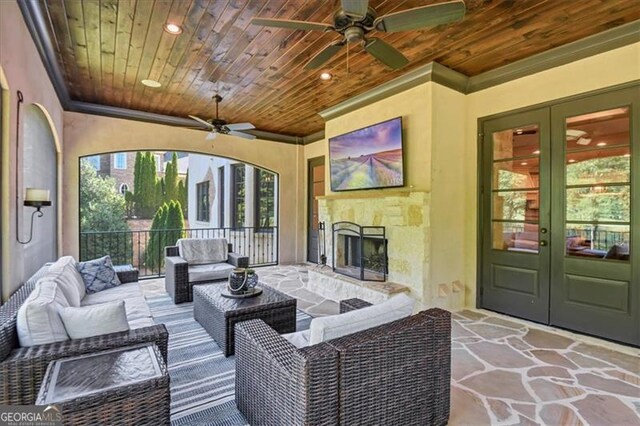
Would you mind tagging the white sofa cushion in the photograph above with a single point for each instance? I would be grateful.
(38, 321)
(209, 272)
(89, 321)
(334, 326)
(299, 339)
(121, 292)
(140, 323)
(198, 251)
(64, 273)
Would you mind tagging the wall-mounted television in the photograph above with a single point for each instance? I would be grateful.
(367, 158)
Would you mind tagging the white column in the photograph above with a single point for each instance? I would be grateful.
(249, 196)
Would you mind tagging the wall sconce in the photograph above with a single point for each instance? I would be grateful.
(36, 198)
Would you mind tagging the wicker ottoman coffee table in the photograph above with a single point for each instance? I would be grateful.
(218, 315)
(123, 386)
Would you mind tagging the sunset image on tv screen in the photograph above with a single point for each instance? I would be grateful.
(367, 158)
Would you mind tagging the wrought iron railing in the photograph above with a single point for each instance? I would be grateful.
(145, 249)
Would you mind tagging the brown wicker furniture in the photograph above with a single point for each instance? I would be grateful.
(218, 315)
(396, 374)
(22, 369)
(177, 282)
(124, 386)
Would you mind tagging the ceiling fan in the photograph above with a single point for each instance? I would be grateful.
(355, 19)
(217, 125)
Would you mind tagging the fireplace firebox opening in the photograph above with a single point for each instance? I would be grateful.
(360, 251)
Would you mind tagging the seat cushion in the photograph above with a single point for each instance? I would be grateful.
(38, 321)
(64, 273)
(334, 326)
(299, 339)
(98, 274)
(141, 323)
(121, 292)
(209, 272)
(136, 307)
(198, 251)
(96, 320)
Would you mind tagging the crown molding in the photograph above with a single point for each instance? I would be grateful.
(429, 72)
(313, 137)
(589, 46)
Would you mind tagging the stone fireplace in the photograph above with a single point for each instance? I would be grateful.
(360, 251)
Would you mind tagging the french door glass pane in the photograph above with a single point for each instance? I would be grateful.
(517, 174)
(516, 205)
(514, 236)
(598, 171)
(599, 166)
(518, 142)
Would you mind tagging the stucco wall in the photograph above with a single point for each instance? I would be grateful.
(92, 134)
(20, 69)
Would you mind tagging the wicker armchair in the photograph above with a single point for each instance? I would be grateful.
(396, 373)
(22, 369)
(176, 279)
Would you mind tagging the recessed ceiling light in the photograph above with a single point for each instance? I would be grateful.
(601, 144)
(536, 152)
(325, 76)
(151, 83)
(627, 155)
(524, 163)
(518, 131)
(172, 28)
(572, 161)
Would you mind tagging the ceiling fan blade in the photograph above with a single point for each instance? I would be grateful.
(201, 121)
(240, 126)
(211, 136)
(355, 8)
(421, 17)
(241, 134)
(385, 53)
(291, 24)
(324, 55)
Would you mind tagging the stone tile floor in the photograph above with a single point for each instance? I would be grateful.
(507, 371)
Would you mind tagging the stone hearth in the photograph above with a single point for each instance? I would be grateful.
(334, 286)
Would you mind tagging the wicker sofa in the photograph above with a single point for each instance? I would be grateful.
(22, 368)
(396, 373)
(181, 276)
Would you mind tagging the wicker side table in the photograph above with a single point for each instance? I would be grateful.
(219, 315)
(128, 386)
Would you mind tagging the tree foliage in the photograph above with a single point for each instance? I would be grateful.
(167, 227)
(102, 209)
(145, 184)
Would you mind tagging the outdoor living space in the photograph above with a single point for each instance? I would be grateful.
(336, 212)
(503, 370)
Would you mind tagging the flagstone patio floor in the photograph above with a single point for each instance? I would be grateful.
(507, 371)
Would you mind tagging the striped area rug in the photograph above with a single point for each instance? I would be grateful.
(202, 379)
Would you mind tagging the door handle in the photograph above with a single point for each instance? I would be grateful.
(543, 243)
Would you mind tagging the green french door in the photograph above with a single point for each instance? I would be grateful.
(560, 218)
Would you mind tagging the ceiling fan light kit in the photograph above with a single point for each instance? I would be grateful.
(355, 19)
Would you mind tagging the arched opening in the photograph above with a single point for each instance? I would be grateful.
(39, 169)
(218, 198)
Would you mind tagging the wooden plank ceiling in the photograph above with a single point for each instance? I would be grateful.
(106, 47)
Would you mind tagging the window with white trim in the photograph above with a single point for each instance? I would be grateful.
(94, 160)
(120, 160)
(124, 188)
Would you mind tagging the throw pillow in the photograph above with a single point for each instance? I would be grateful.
(98, 274)
(38, 321)
(95, 320)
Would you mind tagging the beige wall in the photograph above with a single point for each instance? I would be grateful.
(20, 69)
(607, 69)
(92, 134)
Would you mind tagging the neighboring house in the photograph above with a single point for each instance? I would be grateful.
(227, 194)
(120, 166)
